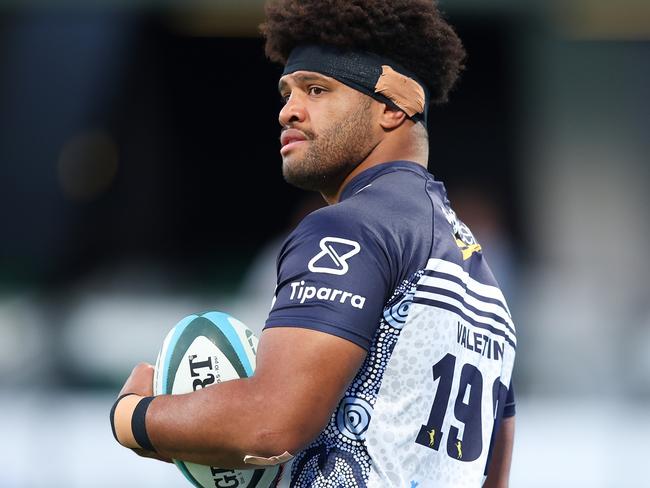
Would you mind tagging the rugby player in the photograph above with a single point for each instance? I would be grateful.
(387, 356)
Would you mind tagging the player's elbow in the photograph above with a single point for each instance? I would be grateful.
(276, 440)
(284, 423)
(286, 430)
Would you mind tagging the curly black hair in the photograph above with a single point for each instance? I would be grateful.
(411, 32)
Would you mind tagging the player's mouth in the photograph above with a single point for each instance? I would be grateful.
(290, 139)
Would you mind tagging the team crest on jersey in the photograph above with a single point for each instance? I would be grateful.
(464, 238)
(333, 257)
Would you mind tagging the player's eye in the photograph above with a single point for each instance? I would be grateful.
(284, 98)
(316, 90)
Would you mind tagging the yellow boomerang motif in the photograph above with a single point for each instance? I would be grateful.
(467, 250)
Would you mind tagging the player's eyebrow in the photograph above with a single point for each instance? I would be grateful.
(301, 78)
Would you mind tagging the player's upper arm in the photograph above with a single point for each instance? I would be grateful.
(335, 276)
(300, 377)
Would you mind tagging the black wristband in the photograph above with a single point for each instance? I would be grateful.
(112, 414)
(138, 425)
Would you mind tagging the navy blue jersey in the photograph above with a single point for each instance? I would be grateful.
(392, 269)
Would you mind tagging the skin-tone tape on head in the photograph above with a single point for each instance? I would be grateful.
(123, 414)
(272, 461)
(403, 91)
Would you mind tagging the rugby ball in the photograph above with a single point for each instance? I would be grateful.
(200, 351)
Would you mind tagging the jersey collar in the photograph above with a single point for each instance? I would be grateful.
(366, 177)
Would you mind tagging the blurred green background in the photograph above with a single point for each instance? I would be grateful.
(140, 182)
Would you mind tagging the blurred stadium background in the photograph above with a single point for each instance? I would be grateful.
(140, 182)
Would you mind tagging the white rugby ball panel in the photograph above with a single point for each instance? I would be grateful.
(219, 331)
(206, 476)
(204, 365)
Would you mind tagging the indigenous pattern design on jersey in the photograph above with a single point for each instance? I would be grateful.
(392, 269)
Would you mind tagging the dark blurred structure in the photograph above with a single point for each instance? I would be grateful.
(124, 137)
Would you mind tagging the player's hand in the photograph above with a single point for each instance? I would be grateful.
(140, 382)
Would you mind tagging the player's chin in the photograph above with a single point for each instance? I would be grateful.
(288, 170)
(296, 173)
(293, 163)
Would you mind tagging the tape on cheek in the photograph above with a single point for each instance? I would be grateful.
(123, 415)
(403, 91)
(271, 461)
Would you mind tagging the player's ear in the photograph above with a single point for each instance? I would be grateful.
(391, 118)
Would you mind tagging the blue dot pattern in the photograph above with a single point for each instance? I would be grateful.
(338, 457)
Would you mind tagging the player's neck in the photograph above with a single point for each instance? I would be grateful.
(401, 147)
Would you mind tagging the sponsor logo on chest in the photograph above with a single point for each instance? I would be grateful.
(303, 293)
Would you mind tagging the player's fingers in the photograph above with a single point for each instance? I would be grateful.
(140, 381)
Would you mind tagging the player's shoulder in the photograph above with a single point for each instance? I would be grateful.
(331, 217)
(339, 227)
(385, 213)
(356, 220)
(382, 199)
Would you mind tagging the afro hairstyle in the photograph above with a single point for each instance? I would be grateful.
(412, 33)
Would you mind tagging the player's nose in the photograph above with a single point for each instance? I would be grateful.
(293, 111)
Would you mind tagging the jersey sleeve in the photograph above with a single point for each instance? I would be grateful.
(334, 275)
(509, 407)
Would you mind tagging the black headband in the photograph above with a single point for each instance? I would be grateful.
(359, 70)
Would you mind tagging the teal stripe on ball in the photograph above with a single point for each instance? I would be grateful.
(178, 330)
(255, 479)
(221, 320)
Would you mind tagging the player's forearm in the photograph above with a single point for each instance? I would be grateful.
(499, 469)
(218, 426)
(266, 415)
